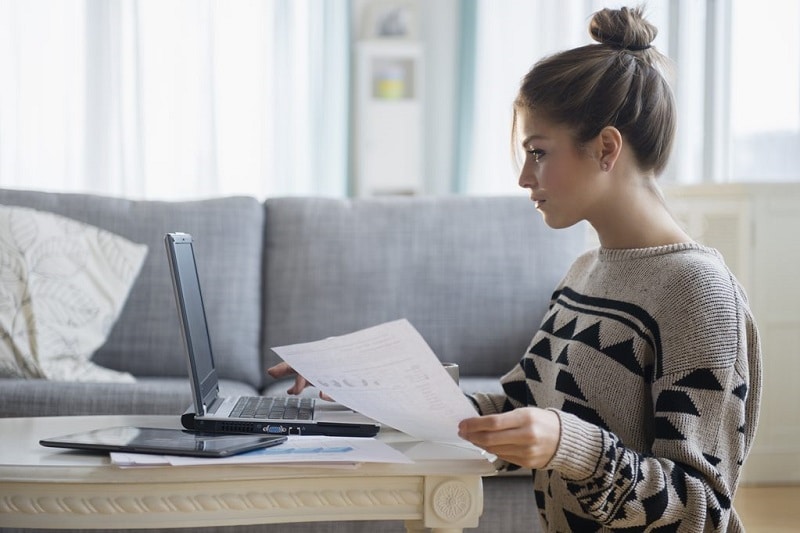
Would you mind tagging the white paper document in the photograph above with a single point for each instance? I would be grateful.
(388, 373)
(307, 451)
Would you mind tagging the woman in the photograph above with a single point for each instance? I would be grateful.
(637, 401)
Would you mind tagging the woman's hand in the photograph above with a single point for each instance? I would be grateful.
(527, 436)
(283, 370)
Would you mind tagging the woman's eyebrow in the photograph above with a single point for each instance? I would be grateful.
(530, 138)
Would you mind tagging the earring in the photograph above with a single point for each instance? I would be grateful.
(604, 166)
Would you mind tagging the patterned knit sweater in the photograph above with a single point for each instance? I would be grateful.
(651, 359)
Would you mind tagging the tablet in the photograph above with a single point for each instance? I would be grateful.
(163, 441)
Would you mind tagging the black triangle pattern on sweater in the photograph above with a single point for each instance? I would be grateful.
(529, 365)
(542, 349)
(678, 481)
(741, 391)
(655, 505)
(567, 331)
(622, 352)
(672, 401)
(549, 324)
(586, 413)
(639, 321)
(562, 357)
(566, 383)
(702, 378)
(590, 336)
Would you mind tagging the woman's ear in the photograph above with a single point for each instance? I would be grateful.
(609, 147)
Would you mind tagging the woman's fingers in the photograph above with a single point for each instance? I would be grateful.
(281, 370)
(325, 397)
(527, 437)
(300, 383)
(487, 425)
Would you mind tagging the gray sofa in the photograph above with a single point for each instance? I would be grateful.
(473, 274)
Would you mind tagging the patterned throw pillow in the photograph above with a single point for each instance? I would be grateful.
(63, 284)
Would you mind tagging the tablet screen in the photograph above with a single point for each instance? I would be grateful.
(163, 441)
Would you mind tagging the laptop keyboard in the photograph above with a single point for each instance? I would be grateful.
(279, 408)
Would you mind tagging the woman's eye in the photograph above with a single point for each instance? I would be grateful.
(536, 154)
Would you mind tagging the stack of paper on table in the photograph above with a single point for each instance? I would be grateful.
(319, 451)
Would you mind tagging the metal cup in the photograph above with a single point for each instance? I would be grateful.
(452, 370)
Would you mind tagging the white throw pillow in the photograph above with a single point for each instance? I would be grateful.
(63, 284)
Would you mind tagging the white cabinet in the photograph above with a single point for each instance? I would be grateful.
(756, 228)
(388, 109)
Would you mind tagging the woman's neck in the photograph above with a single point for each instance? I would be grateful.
(636, 217)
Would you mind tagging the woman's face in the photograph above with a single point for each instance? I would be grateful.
(561, 177)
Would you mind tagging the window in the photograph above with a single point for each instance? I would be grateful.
(736, 82)
(765, 91)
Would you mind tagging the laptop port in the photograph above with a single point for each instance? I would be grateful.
(274, 429)
(294, 430)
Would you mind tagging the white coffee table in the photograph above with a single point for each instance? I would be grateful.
(50, 488)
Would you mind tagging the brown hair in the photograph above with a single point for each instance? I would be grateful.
(618, 82)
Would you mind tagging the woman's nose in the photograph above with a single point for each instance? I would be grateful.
(527, 179)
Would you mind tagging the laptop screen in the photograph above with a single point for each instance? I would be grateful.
(192, 314)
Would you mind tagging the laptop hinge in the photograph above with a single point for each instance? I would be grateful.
(215, 404)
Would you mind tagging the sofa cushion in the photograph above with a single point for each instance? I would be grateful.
(228, 232)
(148, 396)
(473, 275)
(63, 286)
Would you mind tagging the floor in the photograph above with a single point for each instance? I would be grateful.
(769, 509)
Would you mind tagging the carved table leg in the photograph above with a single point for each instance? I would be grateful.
(451, 504)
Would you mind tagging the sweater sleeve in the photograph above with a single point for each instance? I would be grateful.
(514, 397)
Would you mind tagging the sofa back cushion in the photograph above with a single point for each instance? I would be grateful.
(473, 275)
(145, 340)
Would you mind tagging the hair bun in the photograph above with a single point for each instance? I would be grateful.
(624, 28)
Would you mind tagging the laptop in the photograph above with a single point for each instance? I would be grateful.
(213, 413)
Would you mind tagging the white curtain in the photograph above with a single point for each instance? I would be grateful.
(175, 99)
(510, 36)
(738, 116)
